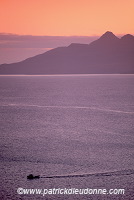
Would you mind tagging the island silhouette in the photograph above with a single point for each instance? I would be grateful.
(106, 55)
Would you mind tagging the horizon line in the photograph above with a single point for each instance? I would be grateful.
(60, 74)
(92, 35)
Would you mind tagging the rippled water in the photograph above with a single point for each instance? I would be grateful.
(65, 125)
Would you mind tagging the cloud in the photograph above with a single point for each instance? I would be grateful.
(29, 41)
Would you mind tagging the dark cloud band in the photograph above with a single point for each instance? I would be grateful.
(29, 41)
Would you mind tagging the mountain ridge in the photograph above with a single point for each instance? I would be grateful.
(108, 54)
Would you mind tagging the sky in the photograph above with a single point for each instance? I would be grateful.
(30, 27)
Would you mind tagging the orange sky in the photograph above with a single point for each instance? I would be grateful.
(66, 17)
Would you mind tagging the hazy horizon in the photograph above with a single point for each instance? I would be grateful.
(16, 48)
(29, 28)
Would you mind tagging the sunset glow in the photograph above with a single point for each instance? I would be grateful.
(66, 17)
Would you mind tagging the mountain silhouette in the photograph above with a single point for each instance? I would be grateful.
(106, 55)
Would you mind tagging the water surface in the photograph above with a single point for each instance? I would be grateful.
(62, 125)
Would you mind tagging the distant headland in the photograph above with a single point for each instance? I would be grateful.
(106, 55)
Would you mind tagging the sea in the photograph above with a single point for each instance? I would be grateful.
(74, 131)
